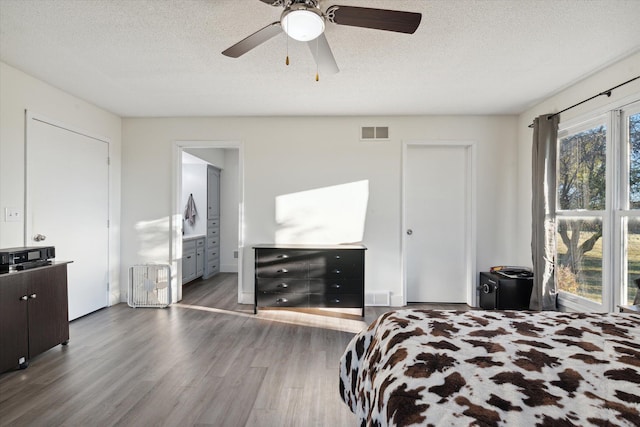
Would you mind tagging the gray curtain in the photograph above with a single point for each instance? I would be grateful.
(543, 238)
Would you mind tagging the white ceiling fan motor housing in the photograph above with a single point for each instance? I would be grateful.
(302, 22)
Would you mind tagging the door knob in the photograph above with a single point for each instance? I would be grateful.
(409, 232)
(39, 237)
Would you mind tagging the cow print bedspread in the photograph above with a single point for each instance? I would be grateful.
(493, 368)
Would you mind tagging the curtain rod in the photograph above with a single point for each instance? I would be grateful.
(606, 92)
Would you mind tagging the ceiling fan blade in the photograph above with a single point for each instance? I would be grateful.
(254, 40)
(378, 19)
(322, 54)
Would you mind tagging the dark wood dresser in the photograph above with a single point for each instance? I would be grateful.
(34, 313)
(309, 276)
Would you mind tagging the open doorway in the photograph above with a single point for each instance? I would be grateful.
(225, 157)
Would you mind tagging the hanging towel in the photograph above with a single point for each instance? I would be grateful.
(190, 210)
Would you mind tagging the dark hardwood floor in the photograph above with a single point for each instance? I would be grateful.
(204, 361)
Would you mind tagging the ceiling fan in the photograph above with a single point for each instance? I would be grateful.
(303, 20)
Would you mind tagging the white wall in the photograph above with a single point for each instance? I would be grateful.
(213, 156)
(597, 83)
(194, 182)
(20, 92)
(229, 205)
(284, 155)
(291, 154)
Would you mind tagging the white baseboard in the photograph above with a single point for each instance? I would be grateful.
(397, 301)
(228, 268)
(247, 298)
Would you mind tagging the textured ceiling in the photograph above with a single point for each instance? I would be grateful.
(162, 57)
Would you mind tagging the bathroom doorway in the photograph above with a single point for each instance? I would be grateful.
(227, 157)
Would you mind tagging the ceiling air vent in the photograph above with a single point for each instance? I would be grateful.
(374, 133)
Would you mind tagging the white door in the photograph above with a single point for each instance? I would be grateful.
(437, 228)
(67, 202)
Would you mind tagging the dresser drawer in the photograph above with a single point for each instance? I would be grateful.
(213, 232)
(284, 269)
(335, 300)
(335, 272)
(213, 267)
(276, 299)
(317, 286)
(273, 256)
(344, 258)
(188, 245)
(213, 242)
(213, 253)
(286, 285)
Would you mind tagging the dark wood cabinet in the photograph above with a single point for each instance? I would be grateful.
(309, 276)
(33, 313)
(14, 339)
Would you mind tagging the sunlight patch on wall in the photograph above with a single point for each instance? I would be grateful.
(152, 238)
(328, 215)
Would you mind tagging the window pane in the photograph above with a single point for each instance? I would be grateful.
(632, 233)
(581, 170)
(579, 257)
(633, 133)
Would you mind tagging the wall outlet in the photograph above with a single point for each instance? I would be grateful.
(12, 214)
(235, 254)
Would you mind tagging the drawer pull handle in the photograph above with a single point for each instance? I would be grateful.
(283, 285)
(279, 300)
(337, 257)
(335, 300)
(283, 256)
(24, 298)
(336, 271)
(283, 270)
(336, 286)
(33, 296)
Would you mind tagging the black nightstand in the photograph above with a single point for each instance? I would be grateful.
(498, 292)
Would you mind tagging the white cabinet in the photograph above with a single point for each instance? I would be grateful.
(212, 250)
(192, 258)
(213, 192)
(199, 257)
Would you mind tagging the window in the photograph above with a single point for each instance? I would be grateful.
(629, 213)
(598, 210)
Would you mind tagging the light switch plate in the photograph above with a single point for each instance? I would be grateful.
(12, 214)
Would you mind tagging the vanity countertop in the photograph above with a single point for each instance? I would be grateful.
(192, 237)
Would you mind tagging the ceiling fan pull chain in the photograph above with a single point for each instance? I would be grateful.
(287, 37)
(318, 60)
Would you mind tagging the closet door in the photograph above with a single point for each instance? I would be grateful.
(438, 213)
(67, 207)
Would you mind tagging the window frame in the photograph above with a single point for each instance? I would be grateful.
(623, 210)
(567, 299)
(613, 217)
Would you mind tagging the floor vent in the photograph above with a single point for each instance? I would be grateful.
(374, 133)
(381, 298)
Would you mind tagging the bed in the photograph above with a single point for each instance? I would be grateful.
(494, 368)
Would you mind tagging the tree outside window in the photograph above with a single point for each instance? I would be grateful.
(581, 184)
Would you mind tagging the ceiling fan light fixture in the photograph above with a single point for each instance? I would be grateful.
(302, 23)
